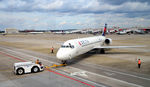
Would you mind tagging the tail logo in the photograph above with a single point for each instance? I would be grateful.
(104, 31)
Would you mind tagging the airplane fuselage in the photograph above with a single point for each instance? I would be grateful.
(76, 47)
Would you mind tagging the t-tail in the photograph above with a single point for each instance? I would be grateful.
(104, 31)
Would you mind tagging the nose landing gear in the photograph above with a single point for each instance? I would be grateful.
(63, 61)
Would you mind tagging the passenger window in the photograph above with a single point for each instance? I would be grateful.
(62, 46)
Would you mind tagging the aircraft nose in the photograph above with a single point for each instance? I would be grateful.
(62, 55)
(58, 55)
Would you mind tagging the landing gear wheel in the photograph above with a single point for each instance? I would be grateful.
(35, 69)
(102, 51)
(20, 71)
(64, 61)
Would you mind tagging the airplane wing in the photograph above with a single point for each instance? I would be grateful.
(109, 47)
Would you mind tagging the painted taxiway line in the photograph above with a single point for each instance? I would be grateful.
(110, 78)
(53, 63)
(12, 57)
(99, 85)
(70, 78)
(16, 58)
(76, 68)
(83, 64)
(34, 57)
(86, 71)
(88, 64)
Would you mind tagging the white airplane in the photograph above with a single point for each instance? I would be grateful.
(75, 47)
(36, 32)
(122, 32)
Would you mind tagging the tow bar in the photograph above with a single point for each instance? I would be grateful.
(55, 65)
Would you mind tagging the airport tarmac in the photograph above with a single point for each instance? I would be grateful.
(88, 73)
(94, 70)
(46, 78)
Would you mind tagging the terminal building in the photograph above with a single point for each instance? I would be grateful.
(11, 31)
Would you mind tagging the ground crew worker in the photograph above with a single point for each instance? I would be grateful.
(139, 63)
(37, 61)
(52, 50)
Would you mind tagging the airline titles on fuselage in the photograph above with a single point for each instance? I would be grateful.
(87, 42)
(83, 42)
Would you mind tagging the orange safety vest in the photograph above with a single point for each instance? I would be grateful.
(37, 62)
(139, 62)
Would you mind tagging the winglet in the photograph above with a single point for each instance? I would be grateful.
(104, 31)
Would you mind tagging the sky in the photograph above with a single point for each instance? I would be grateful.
(73, 14)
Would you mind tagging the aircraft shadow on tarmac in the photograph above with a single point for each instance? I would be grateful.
(91, 53)
(78, 58)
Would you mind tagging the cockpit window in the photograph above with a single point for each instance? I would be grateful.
(67, 46)
(62, 46)
(72, 46)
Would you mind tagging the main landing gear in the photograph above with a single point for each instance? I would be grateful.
(100, 51)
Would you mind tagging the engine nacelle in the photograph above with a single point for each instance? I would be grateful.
(108, 41)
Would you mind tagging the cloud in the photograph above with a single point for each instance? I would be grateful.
(62, 23)
(119, 2)
(45, 5)
(73, 13)
(134, 7)
(76, 7)
(78, 23)
(36, 19)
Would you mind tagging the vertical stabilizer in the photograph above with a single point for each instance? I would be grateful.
(104, 31)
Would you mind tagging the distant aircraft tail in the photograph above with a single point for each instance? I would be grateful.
(104, 31)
